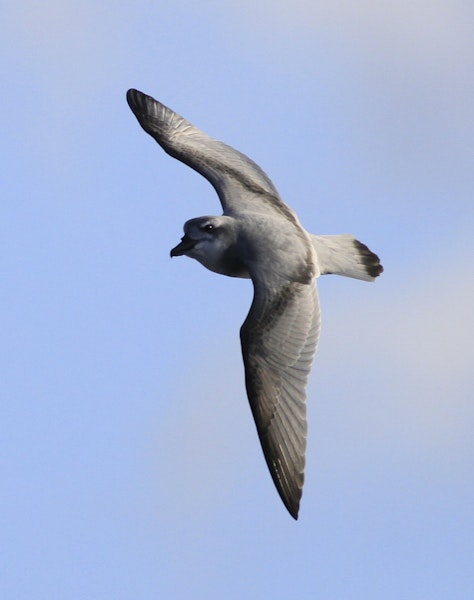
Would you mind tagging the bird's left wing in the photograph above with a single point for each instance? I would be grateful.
(239, 181)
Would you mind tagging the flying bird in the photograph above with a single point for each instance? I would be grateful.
(259, 237)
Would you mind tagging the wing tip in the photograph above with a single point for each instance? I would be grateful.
(290, 496)
(138, 101)
(132, 95)
(293, 510)
(154, 117)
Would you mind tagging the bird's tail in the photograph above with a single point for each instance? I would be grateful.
(344, 255)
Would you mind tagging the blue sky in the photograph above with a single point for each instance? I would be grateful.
(130, 463)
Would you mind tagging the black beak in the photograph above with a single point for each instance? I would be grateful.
(183, 247)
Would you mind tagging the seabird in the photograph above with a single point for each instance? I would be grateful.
(259, 237)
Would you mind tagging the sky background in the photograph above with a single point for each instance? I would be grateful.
(130, 465)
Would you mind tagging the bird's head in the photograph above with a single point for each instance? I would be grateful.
(199, 235)
(208, 240)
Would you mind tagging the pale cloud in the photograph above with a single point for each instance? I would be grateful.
(422, 31)
(435, 35)
(426, 321)
(201, 446)
(54, 30)
(412, 346)
(61, 46)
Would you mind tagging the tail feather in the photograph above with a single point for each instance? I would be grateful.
(344, 255)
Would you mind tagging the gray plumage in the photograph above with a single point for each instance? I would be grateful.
(260, 237)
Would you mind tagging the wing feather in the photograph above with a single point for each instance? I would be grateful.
(279, 339)
(235, 177)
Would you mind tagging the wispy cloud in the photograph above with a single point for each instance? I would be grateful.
(416, 33)
(418, 336)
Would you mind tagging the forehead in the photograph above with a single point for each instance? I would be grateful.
(197, 222)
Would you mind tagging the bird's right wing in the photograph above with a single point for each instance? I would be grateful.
(279, 339)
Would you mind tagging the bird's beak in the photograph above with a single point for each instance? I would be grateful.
(183, 247)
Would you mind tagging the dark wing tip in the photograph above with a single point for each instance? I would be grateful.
(138, 101)
(369, 259)
(293, 509)
(132, 94)
(288, 480)
(290, 494)
(153, 116)
(291, 501)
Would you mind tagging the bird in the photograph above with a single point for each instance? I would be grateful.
(259, 237)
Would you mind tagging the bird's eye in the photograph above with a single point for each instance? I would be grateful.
(208, 227)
